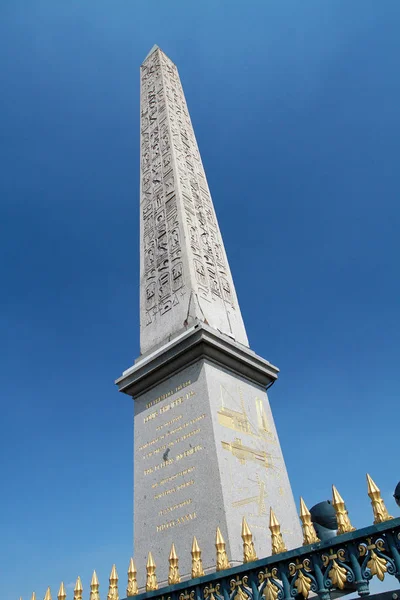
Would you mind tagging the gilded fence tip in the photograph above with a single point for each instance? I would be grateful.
(344, 524)
(113, 585)
(277, 543)
(62, 594)
(222, 557)
(47, 595)
(378, 506)
(94, 587)
(151, 579)
(173, 573)
(78, 589)
(309, 533)
(33, 597)
(132, 588)
(249, 552)
(197, 563)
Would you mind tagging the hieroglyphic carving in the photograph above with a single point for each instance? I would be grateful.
(206, 244)
(182, 248)
(163, 267)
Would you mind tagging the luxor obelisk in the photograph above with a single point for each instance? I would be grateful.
(206, 451)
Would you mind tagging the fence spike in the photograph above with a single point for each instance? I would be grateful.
(342, 515)
(132, 589)
(47, 595)
(197, 563)
(309, 533)
(249, 552)
(113, 585)
(222, 557)
(78, 589)
(94, 587)
(378, 506)
(277, 543)
(62, 594)
(151, 579)
(173, 574)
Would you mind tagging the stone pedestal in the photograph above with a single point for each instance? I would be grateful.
(206, 452)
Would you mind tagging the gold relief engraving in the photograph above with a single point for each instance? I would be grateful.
(175, 522)
(173, 477)
(169, 509)
(263, 425)
(259, 500)
(244, 453)
(238, 420)
(233, 419)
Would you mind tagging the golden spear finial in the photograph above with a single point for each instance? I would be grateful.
(113, 585)
(33, 597)
(47, 595)
(132, 589)
(277, 543)
(309, 533)
(62, 594)
(222, 557)
(173, 573)
(94, 587)
(197, 563)
(378, 506)
(249, 553)
(151, 580)
(78, 589)
(342, 516)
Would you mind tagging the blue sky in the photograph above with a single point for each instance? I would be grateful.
(296, 111)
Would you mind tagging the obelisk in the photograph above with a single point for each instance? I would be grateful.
(206, 451)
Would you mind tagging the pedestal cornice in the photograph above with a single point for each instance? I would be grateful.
(199, 342)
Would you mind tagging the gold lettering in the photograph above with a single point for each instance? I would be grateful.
(189, 452)
(169, 406)
(172, 432)
(175, 522)
(168, 394)
(173, 490)
(150, 417)
(171, 422)
(165, 511)
(172, 443)
(173, 477)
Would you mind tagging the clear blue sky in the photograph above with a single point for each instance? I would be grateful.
(296, 111)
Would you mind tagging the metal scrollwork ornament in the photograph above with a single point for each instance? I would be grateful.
(239, 588)
(376, 561)
(270, 588)
(212, 593)
(186, 596)
(337, 572)
(302, 580)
